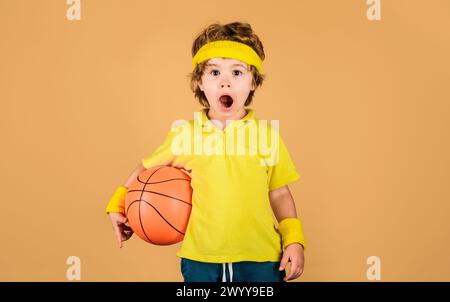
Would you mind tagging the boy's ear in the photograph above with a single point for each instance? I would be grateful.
(200, 85)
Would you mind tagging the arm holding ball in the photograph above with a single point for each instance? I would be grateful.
(116, 211)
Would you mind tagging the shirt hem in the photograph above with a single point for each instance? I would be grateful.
(229, 258)
(288, 180)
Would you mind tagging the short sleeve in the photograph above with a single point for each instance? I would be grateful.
(161, 156)
(283, 171)
(170, 153)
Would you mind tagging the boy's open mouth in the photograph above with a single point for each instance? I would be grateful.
(226, 100)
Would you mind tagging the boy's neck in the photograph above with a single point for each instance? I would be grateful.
(212, 115)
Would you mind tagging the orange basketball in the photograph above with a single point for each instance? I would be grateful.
(158, 205)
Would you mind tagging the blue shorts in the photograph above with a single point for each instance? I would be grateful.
(245, 271)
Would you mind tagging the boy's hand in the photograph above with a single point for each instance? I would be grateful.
(121, 229)
(294, 254)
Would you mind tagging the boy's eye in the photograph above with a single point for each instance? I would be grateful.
(216, 72)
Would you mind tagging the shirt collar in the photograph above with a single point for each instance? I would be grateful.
(206, 122)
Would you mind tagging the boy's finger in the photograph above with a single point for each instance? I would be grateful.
(119, 241)
(296, 274)
(293, 271)
(295, 267)
(283, 262)
(299, 272)
(119, 218)
(118, 236)
(290, 274)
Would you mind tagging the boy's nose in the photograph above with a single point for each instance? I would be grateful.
(225, 84)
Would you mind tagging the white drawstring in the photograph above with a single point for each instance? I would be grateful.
(224, 277)
(230, 269)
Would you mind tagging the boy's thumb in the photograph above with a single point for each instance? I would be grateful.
(122, 218)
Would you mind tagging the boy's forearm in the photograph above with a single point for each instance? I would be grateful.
(282, 203)
(290, 226)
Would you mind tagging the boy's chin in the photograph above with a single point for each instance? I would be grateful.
(222, 109)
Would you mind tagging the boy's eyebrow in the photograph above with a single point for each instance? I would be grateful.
(236, 64)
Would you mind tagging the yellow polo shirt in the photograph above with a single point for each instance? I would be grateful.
(231, 176)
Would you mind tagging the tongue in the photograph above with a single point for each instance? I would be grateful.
(226, 100)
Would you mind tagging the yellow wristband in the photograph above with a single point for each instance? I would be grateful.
(291, 232)
(117, 201)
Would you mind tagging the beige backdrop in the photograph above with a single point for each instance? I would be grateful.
(363, 106)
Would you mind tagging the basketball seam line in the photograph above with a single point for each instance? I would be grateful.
(161, 195)
(157, 182)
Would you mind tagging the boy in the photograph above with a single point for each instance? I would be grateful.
(231, 234)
